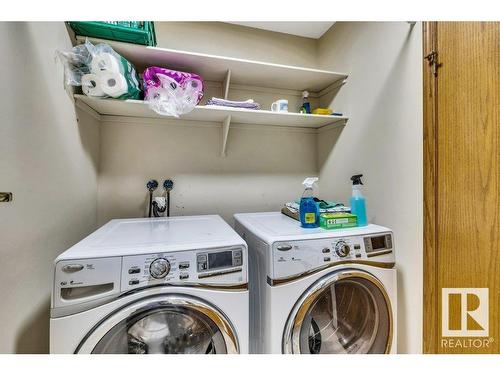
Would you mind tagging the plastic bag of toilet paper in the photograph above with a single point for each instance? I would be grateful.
(100, 71)
(170, 92)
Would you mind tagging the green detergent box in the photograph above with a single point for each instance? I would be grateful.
(337, 220)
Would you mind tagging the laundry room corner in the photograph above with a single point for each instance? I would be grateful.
(256, 187)
(383, 140)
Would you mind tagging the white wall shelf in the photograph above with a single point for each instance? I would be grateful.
(221, 115)
(227, 71)
(215, 68)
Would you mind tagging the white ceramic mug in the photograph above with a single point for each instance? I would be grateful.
(280, 106)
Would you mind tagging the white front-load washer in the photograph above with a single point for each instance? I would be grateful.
(143, 286)
(319, 291)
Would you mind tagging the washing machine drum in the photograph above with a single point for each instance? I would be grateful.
(168, 324)
(344, 312)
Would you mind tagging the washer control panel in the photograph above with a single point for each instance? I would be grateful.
(296, 257)
(216, 266)
(85, 280)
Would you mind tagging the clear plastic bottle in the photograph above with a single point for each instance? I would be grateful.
(309, 210)
(358, 202)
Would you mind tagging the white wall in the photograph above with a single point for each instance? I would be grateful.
(237, 41)
(382, 140)
(264, 167)
(49, 161)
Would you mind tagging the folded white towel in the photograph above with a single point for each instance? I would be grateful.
(249, 104)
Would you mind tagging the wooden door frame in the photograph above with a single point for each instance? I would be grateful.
(430, 152)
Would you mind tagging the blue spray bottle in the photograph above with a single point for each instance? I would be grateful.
(358, 203)
(309, 210)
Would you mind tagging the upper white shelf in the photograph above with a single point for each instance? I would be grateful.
(138, 108)
(215, 68)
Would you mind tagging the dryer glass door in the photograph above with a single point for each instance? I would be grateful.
(171, 324)
(345, 312)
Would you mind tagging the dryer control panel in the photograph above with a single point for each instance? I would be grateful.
(81, 281)
(223, 266)
(297, 257)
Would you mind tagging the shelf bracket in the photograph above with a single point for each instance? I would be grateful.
(225, 84)
(225, 132)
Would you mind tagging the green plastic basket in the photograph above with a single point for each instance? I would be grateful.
(137, 32)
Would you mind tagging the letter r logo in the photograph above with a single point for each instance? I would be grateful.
(464, 312)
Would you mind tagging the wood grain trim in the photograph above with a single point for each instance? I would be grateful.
(430, 298)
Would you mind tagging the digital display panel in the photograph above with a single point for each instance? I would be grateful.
(220, 259)
(378, 243)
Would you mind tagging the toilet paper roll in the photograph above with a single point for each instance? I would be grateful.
(113, 84)
(91, 85)
(105, 61)
(169, 84)
(191, 92)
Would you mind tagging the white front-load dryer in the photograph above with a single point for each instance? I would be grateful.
(144, 286)
(319, 291)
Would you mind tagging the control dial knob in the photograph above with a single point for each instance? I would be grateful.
(342, 249)
(159, 268)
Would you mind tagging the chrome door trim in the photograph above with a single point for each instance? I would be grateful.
(285, 280)
(297, 315)
(226, 328)
(59, 312)
(231, 287)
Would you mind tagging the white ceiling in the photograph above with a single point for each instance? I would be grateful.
(308, 29)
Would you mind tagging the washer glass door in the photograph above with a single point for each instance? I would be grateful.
(345, 312)
(164, 325)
